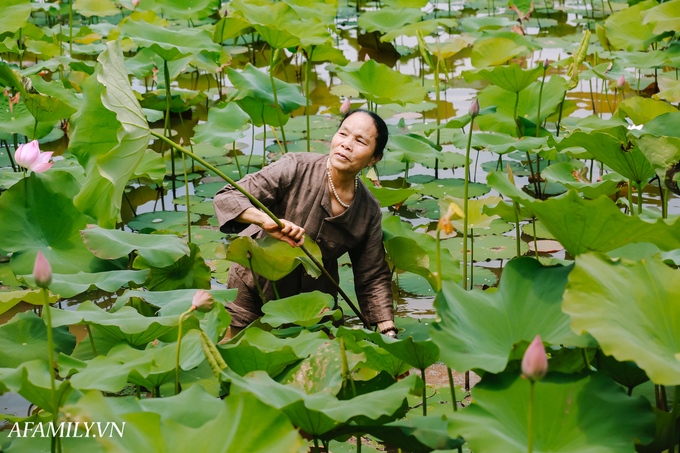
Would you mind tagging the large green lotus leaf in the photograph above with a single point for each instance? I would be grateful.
(453, 187)
(563, 173)
(224, 126)
(190, 421)
(664, 17)
(405, 148)
(663, 153)
(190, 271)
(99, 8)
(158, 250)
(255, 83)
(511, 78)
(632, 310)
(426, 27)
(323, 10)
(382, 85)
(261, 113)
(318, 413)
(271, 258)
(480, 23)
(406, 254)
(37, 214)
(20, 121)
(162, 220)
(170, 44)
(388, 196)
(377, 358)
(31, 379)
(56, 89)
(615, 149)
(665, 124)
(627, 374)
(9, 299)
(188, 9)
(387, 19)
(302, 309)
(122, 364)
(14, 15)
(569, 411)
(258, 350)
(413, 346)
(485, 248)
(578, 225)
(24, 338)
(173, 303)
(494, 52)
(126, 324)
(641, 110)
(69, 285)
(229, 28)
(110, 139)
(475, 216)
(478, 329)
(625, 31)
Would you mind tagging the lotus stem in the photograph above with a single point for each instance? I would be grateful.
(422, 374)
(262, 207)
(465, 202)
(191, 146)
(530, 427)
(639, 200)
(316, 445)
(89, 334)
(540, 95)
(179, 342)
(517, 231)
(9, 154)
(257, 282)
(676, 401)
(346, 375)
(630, 196)
(436, 110)
(186, 190)
(307, 77)
(559, 118)
(535, 241)
(453, 391)
(168, 97)
(276, 291)
(439, 259)
(586, 362)
(252, 147)
(276, 137)
(238, 166)
(56, 442)
(276, 100)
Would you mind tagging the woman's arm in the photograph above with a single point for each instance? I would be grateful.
(290, 233)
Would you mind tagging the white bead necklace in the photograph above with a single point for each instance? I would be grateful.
(330, 180)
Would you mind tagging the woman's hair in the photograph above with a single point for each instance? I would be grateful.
(380, 126)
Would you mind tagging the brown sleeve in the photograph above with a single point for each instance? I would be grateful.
(372, 276)
(268, 185)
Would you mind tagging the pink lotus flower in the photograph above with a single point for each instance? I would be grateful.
(345, 107)
(621, 82)
(202, 301)
(42, 271)
(29, 156)
(535, 362)
(473, 111)
(135, 3)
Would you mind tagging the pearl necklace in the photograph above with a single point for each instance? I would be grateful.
(330, 180)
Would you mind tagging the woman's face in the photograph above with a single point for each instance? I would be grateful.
(353, 144)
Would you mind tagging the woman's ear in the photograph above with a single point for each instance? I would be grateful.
(374, 160)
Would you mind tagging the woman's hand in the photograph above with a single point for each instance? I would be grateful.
(290, 233)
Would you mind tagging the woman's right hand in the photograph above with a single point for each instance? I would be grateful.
(290, 233)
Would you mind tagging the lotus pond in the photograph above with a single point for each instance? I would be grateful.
(547, 208)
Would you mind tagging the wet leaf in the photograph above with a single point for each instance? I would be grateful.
(494, 52)
(387, 19)
(15, 13)
(303, 309)
(224, 126)
(562, 173)
(69, 285)
(31, 380)
(190, 271)
(382, 85)
(251, 82)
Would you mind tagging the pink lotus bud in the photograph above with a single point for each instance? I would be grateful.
(135, 3)
(42, 271)
(546, 64)
(203, 301)
(29, 156)
(345, 107)
(226, 12)
(621, 82)
(535, 362)
(474, 109)
(367, 57)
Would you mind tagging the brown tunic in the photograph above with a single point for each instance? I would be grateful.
(295, 188)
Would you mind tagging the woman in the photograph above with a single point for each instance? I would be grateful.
(321, 196)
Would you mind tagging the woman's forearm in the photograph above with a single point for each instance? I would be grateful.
(252, 215)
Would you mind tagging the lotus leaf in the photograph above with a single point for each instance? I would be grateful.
(382, 85)
(406, 148)
(568, 411)
(480, 23)
(69, 285)
(485, 248)
(271, 258)
(224, 126)
(152, 165)
(162, 220)
(170, 44)
(229, 28)
(24, 338)
(527, 304)
(157, 250)
(377, 358)
(38, 215)
(256, 84)
(665, 124)
(494, 52)
(190, 271)
(323, 10)
(303, 309)
(563, 173)
(388, 196)
(625, 300)
(188, 9)
(663, 153)
(664, 17)
(453, 187)
(318, 413)
(641, 110)
(126, 324)
(511, 78)
(108, 154)
(99, 8)
(417, 435)
(627, 374)
(9, 299)
(15, 13)
(425, 26)
(387, 19)
(625, 31)
(31, 379)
